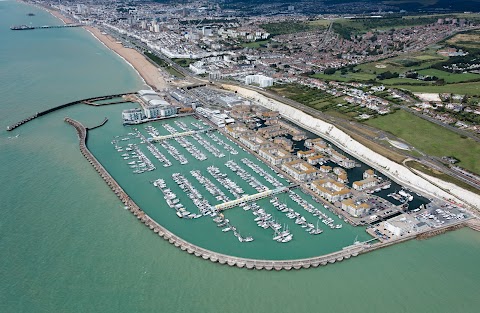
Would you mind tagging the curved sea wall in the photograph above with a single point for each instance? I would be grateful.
(87, 101)
(393, 170)
(206, 254)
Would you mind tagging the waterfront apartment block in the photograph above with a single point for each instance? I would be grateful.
(156, 111)
(364, 184)
(368, 174)
(325, 169)
(340, 159)
(275, 156)
(355, 208)
(286, 143)
(132, 115)
(317, 144)
(341, 175)
(253, 141)
(300, 170)
(236, 130)
(305, 154)
(330, 190)
(316, 159)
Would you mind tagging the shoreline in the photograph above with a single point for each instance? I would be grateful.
(149, 73)
(125, 60)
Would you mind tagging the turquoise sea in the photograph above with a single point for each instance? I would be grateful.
(67, 244)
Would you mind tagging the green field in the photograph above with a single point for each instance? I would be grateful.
(347, 27)
(160, 62)
(450, 77)
(322, 101)
(461, 88)
(290, 27)
(184, 62)
(255, 44)
(312, 97)
(430, 138)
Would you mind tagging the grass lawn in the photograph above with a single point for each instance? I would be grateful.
(396, 81)
(184, 62)
(321, 22)
(255, 44)
(461, 88)
(311, 97)
(430, 138)
(450, 77)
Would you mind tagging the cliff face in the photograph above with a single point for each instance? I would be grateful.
(394, 170)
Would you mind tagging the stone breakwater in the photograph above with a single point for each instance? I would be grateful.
(178, 242)
(89, 101)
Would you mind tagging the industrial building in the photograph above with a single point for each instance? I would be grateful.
(401, 225)
(215, 116)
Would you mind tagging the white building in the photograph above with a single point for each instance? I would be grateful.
(402, 224)
(260, 80)
(132, 115)
(197, 68)
(156, 111)
(300, 170)
(355, 208)
(146, 92)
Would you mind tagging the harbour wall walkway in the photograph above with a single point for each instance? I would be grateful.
(84, 101)
(338, 256)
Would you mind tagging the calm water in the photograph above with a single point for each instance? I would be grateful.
(67, 245)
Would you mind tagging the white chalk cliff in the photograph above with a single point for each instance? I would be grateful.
(395, 171)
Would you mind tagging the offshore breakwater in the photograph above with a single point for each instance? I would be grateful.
(88, 101)
(345, 253)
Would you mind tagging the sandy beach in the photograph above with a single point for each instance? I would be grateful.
(149, 72)
(57, 14)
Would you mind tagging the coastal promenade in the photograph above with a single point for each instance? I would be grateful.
(345, 253)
